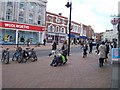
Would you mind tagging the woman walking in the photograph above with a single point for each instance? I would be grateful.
(102, 53)
(54, 47)
(65, 49)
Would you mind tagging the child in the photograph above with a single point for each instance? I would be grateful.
(58, 60)
(54, 61)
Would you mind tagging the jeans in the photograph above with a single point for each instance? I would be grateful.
(101, 61)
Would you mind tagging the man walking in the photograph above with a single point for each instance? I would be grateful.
(90, 46)
(44, 42)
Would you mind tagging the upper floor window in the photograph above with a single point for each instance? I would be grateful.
(62, 30)
(30, 18)
(63, 22)
(57, 29)
(22, 6)
(21, 19)
(32, 6)
(9, 14)
(50, 28)
(51, 19)
(10, 4)
(39, 19)
(21, 13)
(56, 19)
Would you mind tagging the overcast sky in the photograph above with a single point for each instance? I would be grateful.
(89, 12)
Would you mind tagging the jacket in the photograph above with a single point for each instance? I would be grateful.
(102, 51)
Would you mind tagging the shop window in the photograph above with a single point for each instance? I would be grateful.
(8, 36)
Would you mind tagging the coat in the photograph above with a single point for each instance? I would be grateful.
(102, 51)
(54, 46)
(65, 49)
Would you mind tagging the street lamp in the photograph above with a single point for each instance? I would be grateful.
(118, 28)
(69, 5)
(18, 40)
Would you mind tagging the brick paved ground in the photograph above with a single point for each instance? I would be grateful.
(77, 73)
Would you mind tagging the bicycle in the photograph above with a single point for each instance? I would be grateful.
(5, 55)
(18, 55)
(29, 54)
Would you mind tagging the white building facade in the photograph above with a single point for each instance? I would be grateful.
(22, 18)
(110, 35)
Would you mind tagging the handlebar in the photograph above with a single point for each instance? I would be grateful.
(6, 48)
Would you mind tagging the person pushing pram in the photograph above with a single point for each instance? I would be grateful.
(61, 58)
(58, 59)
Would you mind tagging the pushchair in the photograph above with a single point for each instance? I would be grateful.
(58, 60)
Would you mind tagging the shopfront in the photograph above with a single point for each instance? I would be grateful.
(58, 37)
(13, 33)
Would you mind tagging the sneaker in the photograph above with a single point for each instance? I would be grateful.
(51, 64)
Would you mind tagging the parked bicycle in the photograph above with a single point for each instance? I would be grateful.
(18, 55)
(5, 55)
(29, 54)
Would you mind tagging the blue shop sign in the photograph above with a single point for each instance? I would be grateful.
(115, 54)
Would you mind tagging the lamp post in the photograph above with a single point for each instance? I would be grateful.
(69, 5)
(118, 27)
(18, 40)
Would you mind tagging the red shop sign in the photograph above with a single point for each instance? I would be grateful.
(21, 26)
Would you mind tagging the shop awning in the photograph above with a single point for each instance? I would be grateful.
(83, 37)
(71, 35)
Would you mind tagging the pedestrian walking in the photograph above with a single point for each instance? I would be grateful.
(28, 42)
(22, 39)
(90, 46)
(44, 42)
(114, 44)
(107, 51)
(85, 48)
(65, 49)
(54, 47)
(102, 53)
(97, 46)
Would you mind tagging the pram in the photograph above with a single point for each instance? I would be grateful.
(58, 60)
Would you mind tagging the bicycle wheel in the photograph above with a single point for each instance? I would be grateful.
(6, 57)
(19, 58)
(14, 57)
(33, 57)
